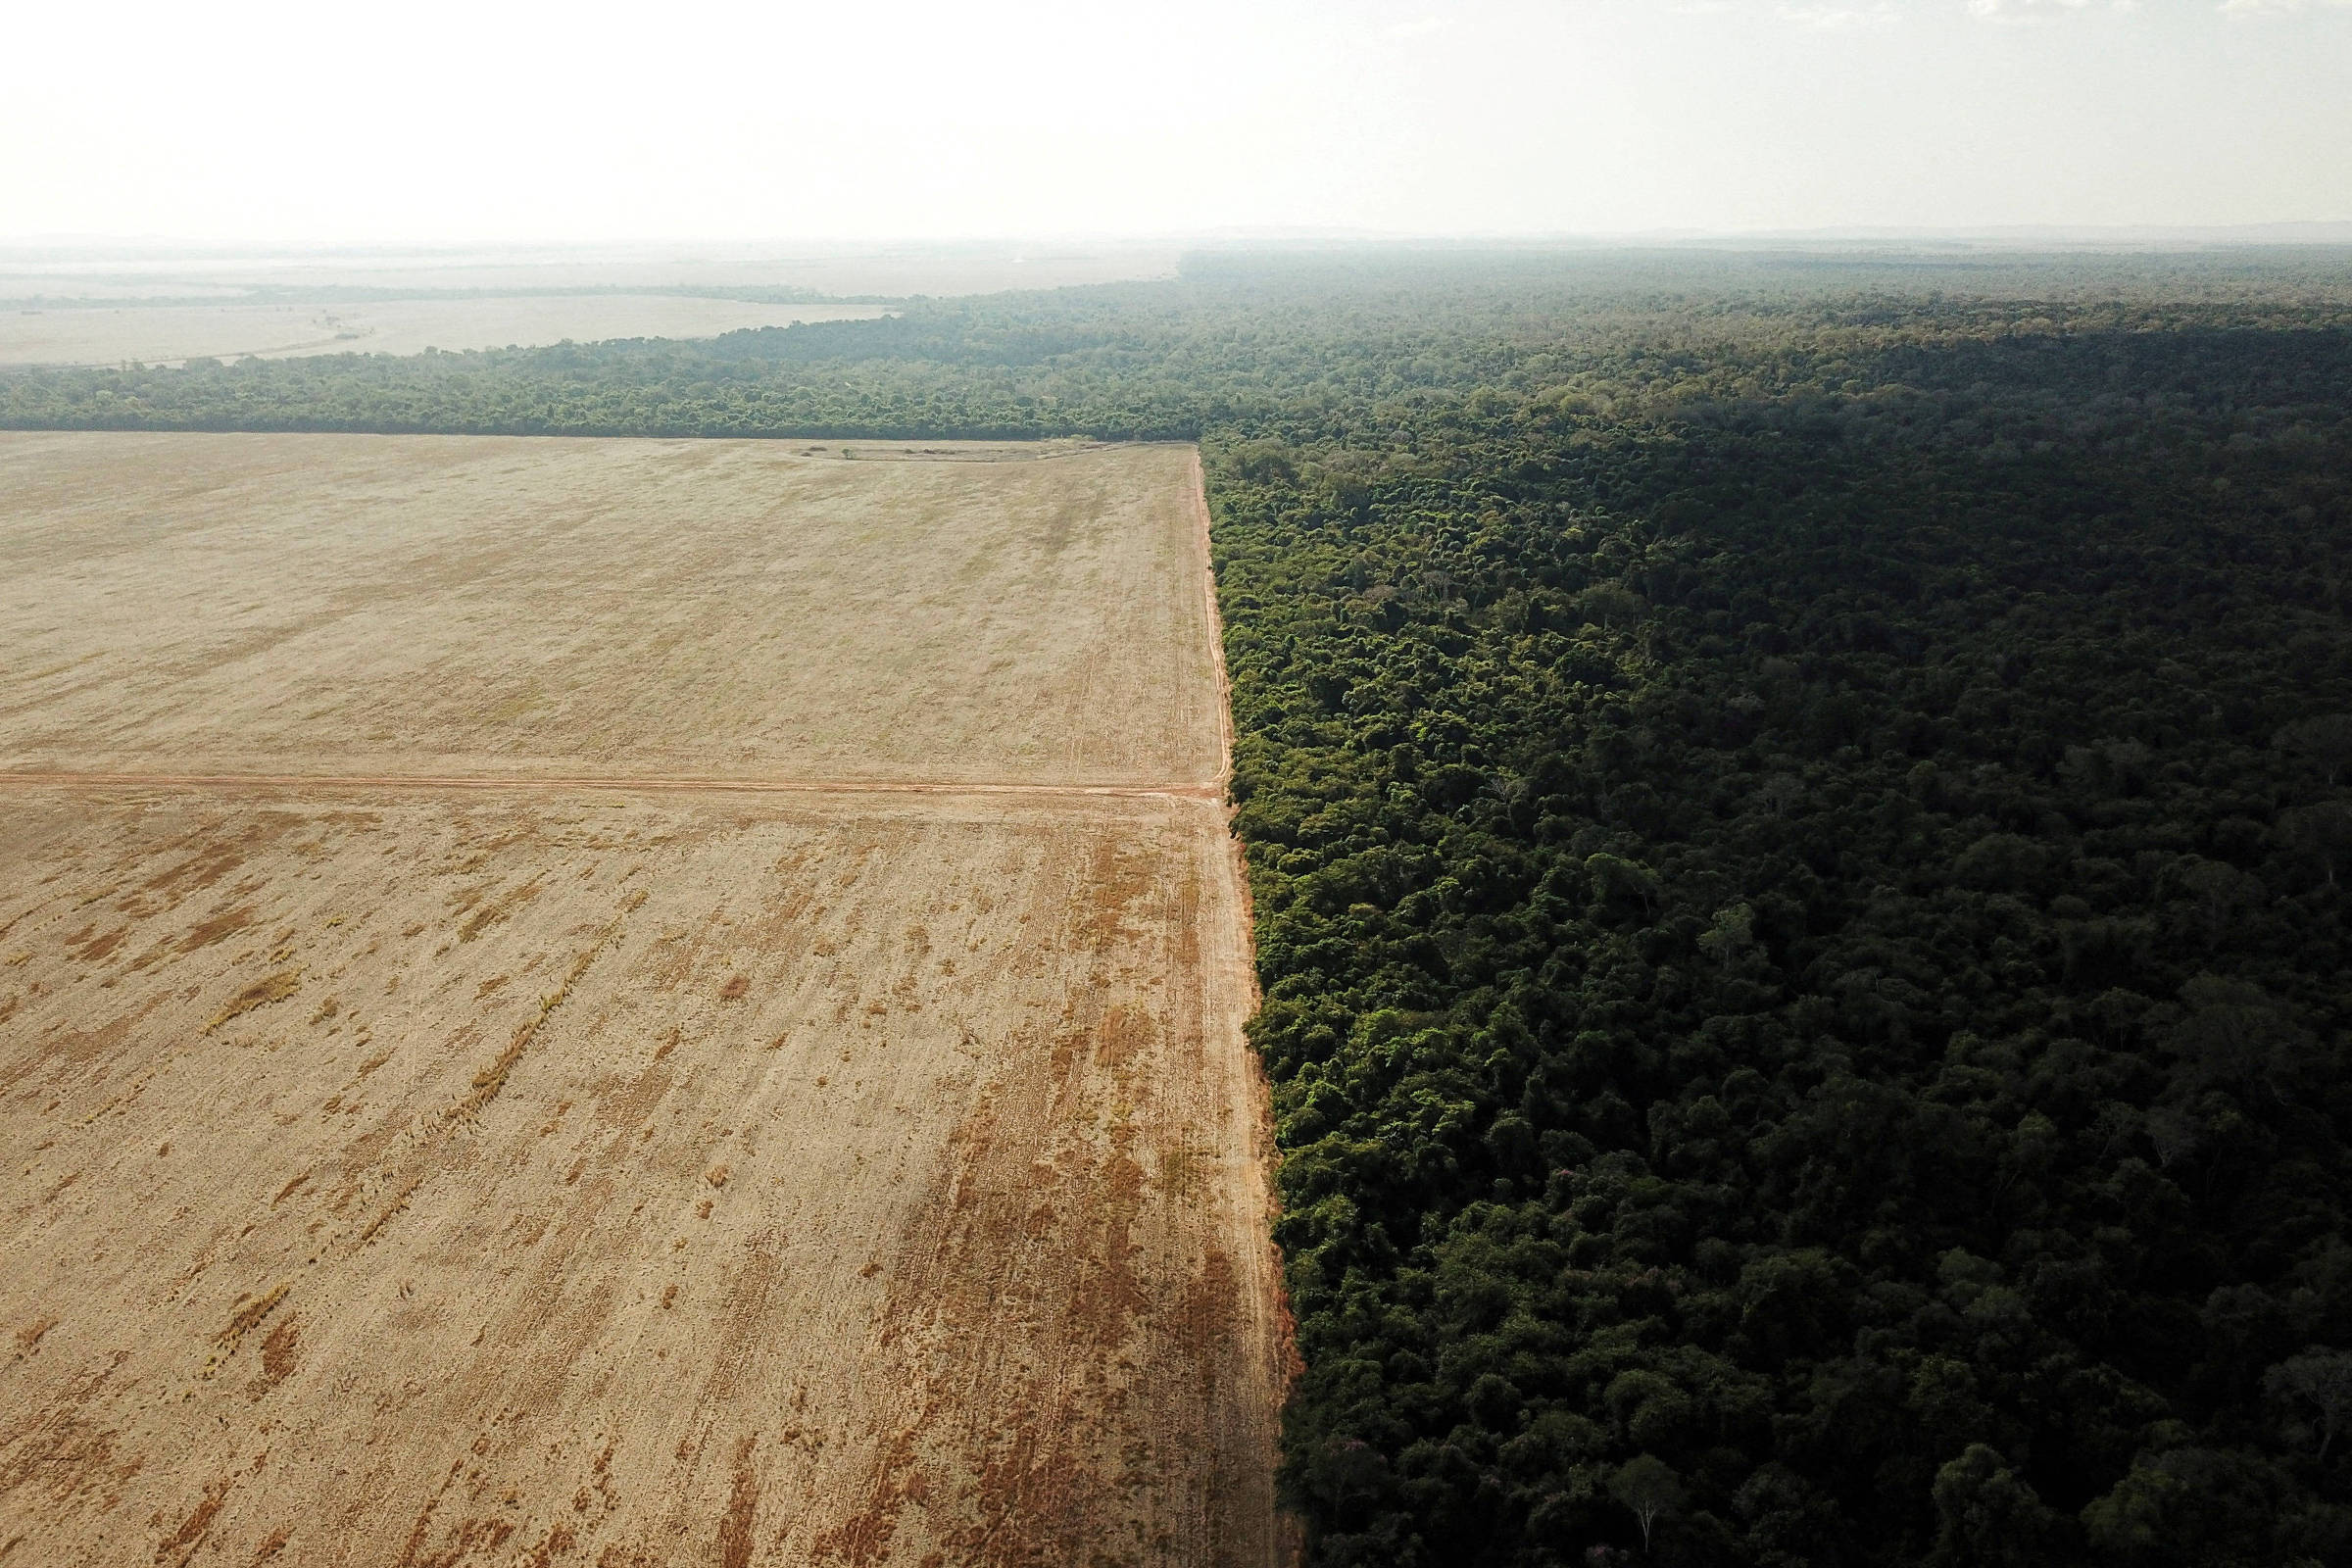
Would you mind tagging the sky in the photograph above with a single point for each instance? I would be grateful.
(433, 123)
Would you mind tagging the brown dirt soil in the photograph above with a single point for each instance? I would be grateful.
(157, 334)
(443, 1175)
(483, 605)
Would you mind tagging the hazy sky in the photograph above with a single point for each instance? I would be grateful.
(435, 122)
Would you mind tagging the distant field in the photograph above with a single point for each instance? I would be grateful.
(439, 604)
(161, 333)
(487, 1171)
(894, 271)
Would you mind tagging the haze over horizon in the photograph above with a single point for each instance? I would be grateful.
(258, 123)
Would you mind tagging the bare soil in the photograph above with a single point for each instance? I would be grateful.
(625, 1172)
(372, 605)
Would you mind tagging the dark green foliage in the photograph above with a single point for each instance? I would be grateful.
(1800, 942)
(1794, 815)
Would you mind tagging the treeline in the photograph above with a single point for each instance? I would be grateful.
(1424, 349)
(1799, 812)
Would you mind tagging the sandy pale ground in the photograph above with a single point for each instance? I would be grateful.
(628, 1176)
(527, 605)
(168, 334)
(155, 335)
(892, 272)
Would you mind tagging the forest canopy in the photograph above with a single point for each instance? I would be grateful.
(1798, 810)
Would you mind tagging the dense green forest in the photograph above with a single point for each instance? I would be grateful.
(1800, 812)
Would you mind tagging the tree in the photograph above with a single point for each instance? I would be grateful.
(2172, 1133)
(1648, 1487)
(2322, 831)
(1987, 1516)
(1616, 876)
(2321, 1377)
(1612, 605)
(2327, 740)
(1733, 932)
(1782, 791)
(2235, 1033)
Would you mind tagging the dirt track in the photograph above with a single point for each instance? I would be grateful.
(622, 783)
(632, 1168)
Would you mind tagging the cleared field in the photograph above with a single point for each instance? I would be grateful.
(430, 605)
(493, 1169)
(948, 269)
(167, 333)
(629, 1182)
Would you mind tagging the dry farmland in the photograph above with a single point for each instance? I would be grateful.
(762, 1099)
(108, 334)
(35, 274)
(473, 606)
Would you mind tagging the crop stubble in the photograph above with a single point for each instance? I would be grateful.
(533, 607)
(546, 1174)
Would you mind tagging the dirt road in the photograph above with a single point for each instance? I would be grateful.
(622, 783)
